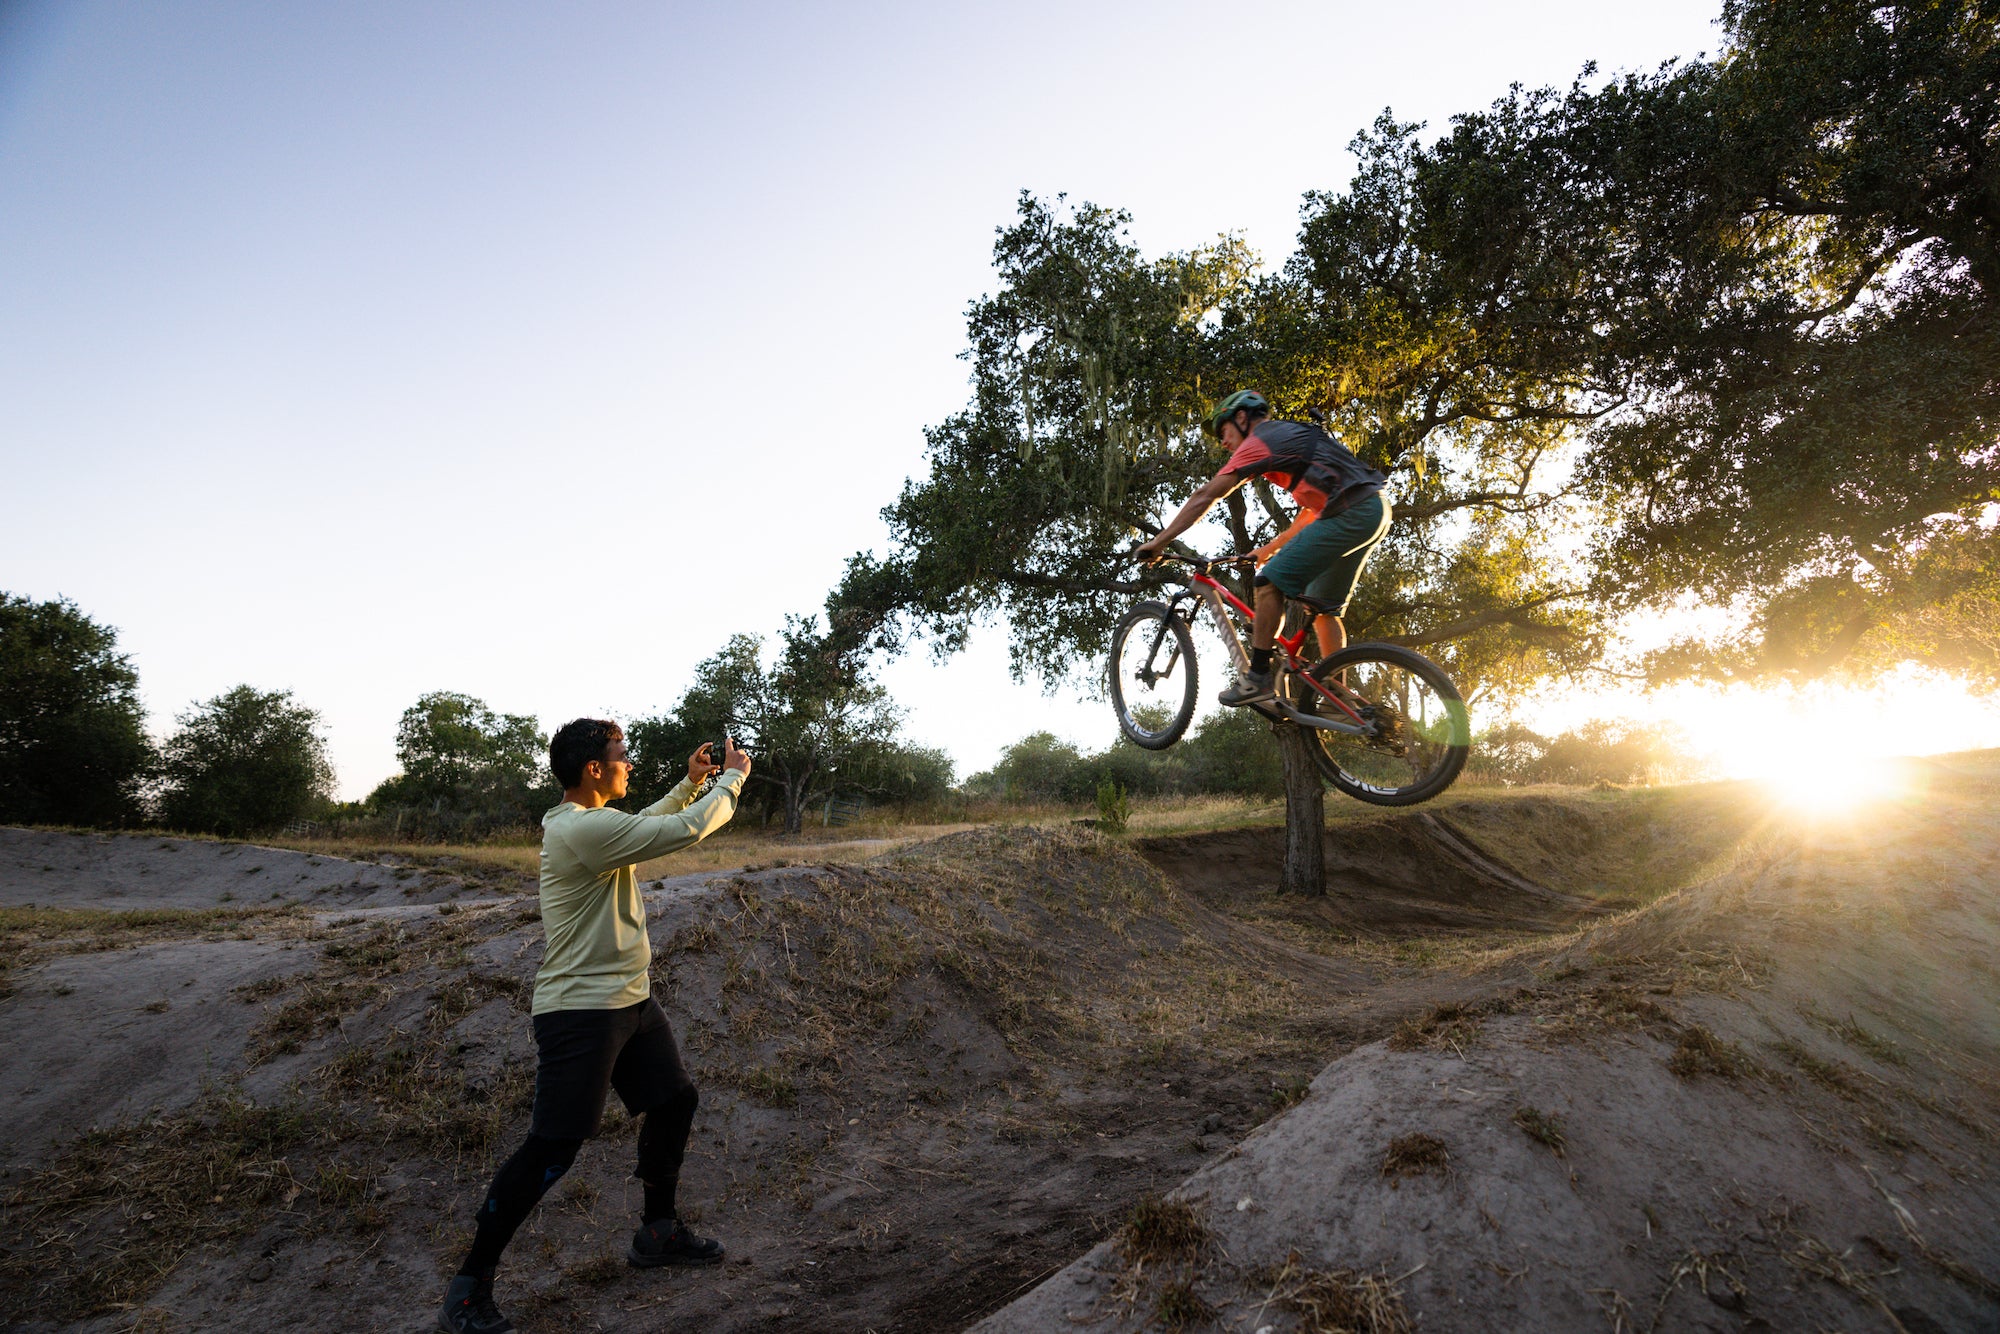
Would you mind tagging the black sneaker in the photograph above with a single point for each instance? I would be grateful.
(668, 1242)
(1250, 688)
(469, 1308)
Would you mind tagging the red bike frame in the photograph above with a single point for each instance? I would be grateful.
(1216, 594)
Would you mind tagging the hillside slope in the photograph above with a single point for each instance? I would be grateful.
(1768, 1100)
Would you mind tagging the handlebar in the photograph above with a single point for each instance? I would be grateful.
(1198, 564)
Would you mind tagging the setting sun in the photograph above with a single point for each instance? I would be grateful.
(1825, 784)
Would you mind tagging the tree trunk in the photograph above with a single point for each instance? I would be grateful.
(794, 807)
(1305, 815)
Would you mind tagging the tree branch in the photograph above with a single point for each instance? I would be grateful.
(1523, 503)
(1516, 616)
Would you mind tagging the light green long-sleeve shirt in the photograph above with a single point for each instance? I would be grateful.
(591, 909)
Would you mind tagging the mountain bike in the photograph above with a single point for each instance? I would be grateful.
(1388, 725)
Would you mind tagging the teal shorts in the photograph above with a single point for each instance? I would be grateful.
(1322, 564)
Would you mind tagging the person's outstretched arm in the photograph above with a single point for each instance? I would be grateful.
(604, 839)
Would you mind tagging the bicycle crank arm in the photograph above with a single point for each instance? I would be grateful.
(1314, 720)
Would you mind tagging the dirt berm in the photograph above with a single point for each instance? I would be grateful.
(933, 1081)
(1765, 1101)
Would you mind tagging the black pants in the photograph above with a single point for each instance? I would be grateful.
(584, 1054)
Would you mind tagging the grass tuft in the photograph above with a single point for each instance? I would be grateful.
(1415, 1155)
(1448, 1025)
(1338, 1301)
(1180, 1307)
(1545, 1128)
(1700, 1052)
(1163, 1231)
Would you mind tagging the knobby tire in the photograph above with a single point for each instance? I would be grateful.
(1147, 620)
(1335, 753)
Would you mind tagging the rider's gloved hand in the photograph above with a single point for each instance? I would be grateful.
(1149, 552)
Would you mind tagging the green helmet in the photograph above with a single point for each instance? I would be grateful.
(1228, 407)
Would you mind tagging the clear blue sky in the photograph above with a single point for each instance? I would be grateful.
(363, 350)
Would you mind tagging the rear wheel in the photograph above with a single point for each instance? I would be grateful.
(1152, 676)
(1417, 728)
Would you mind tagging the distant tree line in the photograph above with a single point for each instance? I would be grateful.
(74, 750)
(1229, 754)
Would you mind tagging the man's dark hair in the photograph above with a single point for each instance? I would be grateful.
(577, 743)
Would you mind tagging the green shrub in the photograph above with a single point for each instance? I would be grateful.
(1114, 807)
(245, 761)
(73, 747)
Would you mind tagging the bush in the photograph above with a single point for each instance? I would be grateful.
(894, 774)
(1038, 767)
(1114, 808)
(1228, 753)
(243, 762)
(467, 772)
(73, 746)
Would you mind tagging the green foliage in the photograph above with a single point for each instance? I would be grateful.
(73, 746)
(466, 770)
(1722, 331)
(1114, 806)
(807, 713)
(1084, 421)
(246, 761)
(1230, 752)
(896, 773)
(1038, 767)
(1816, 405)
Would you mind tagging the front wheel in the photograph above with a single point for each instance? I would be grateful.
(1152, 676)
(1417, 731)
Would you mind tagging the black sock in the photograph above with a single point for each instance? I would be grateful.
(1260, 659)
(659, 1202)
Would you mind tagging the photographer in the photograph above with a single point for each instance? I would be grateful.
(597, 1027)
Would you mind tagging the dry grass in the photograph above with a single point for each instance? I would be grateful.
(1045, 934)
(1852, 1033)
(29, 934)
(1337, 1301)
(1415, 1155)
(152, 1192)
(1450, 1025)
(1545, 1128)
(1180, 1307)
(1700, 1052)
(1835, 1076)
(1160, 1231)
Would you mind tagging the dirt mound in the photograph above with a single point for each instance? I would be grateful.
(1770, 1100)
(932, 1080)
(964, 1058)
(1415, 871)
(121, 872)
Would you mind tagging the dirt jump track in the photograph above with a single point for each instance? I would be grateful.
(1543, 1061)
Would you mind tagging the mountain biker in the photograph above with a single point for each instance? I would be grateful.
(597, 1026)
(1317, 560)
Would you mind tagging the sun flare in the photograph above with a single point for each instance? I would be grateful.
(1827, 786)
